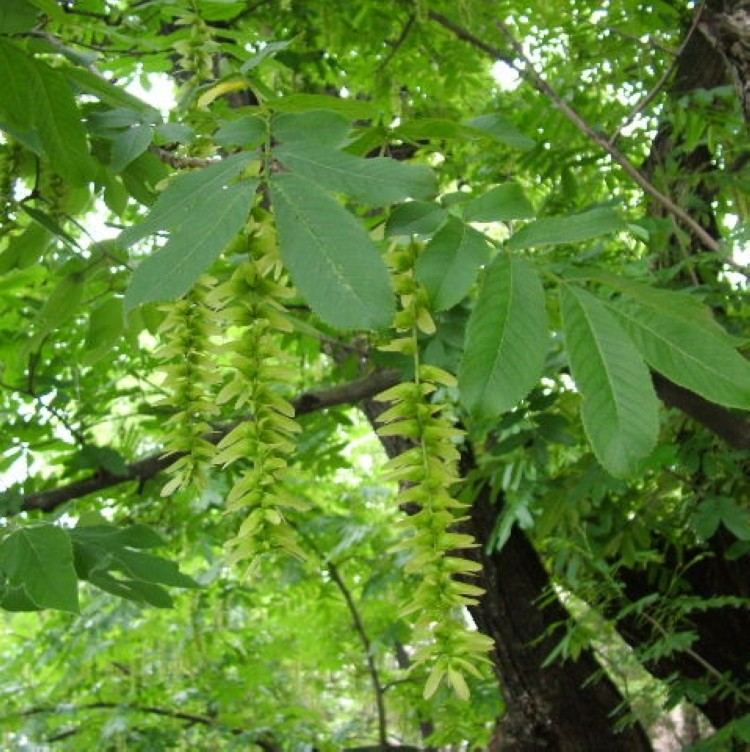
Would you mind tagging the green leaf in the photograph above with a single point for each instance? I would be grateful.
(59, 124)
(132, 590)
(376, 181)
(106, 323)
(499, 204)
(25, 249)
(572, 229)
(449, 265)
(428, 128)
(354, 109)
(502, 130)
(50, 7)
(133, 536)
(317, 126)
(182, 202)
(620, 409)
(506, 339)
(246, 131)
(50, 224)
(60, 306)
(687, 353)
(107, 93)
(270, 49)
(129, 145)
(172, 270)
(179, 132)
(39, 559)
(330, 257)
(16, 17)
(415, 218)
(16, 97)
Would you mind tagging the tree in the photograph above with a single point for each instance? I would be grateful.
(505, 242)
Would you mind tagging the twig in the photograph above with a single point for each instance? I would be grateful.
(378, 687)
(529, 72)
(398, 43)
(146, 468)
(178, 162)
(652, 94)
(655, 43)
(264, 741)
(367, 645)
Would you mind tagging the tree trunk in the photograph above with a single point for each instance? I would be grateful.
(558, 707)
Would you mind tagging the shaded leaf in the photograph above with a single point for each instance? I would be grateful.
(16, 98)
(39, 559)
(415, 218)
(183, 200)
(503, 202)
(620, 409)
(59, 124)
(330, 257)
(106, 323)
(172, 270)
(449, 265)
(506, 339)
(246, 131)
(129, 145)
(502, 130)
(354, 109)
(572, 229)
(372, 181)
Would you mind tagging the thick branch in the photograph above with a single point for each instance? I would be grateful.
(342, 394)
(731, 427)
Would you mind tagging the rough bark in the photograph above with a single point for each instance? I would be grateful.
(558, 707)
(707, 61)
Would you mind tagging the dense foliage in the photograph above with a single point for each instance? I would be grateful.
(373, 375)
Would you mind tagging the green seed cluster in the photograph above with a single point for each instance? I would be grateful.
(189, 357)
(251, 303)
(427, 471)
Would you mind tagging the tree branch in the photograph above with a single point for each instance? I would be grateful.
(727, 425)
(180, 162)
(367, 645)
(530, 74)
(266, 743)
(146, 468)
